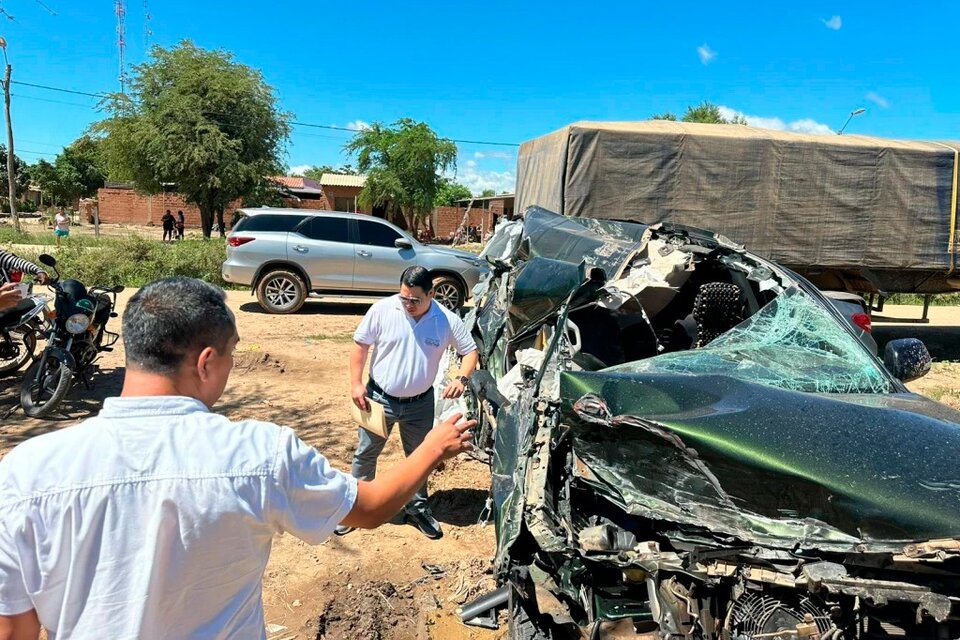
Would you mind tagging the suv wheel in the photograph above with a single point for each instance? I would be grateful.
(449, 292)
(281, 292)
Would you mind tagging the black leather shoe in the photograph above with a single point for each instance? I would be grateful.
(427, 524)
(342, 530)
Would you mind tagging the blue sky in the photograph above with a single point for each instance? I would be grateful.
(508, 72)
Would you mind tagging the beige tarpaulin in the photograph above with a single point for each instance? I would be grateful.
(853, 204)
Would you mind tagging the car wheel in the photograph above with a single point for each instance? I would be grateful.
(281, 292)
(448, 291)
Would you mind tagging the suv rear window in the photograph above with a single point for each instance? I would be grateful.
(268, 223)
(376, 234)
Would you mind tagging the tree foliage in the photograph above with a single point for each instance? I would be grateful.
(403, 163)
(450, 192)
(315, 173)
(199, 121)
(488, 193)
(705, 112)
(77, 172)
(22, 176)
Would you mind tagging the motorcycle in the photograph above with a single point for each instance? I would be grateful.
(76, 335)
(20, 327)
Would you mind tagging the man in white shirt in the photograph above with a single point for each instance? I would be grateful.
(409, 334)
(155, 519)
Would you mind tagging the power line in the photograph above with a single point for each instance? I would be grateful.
(293, 122)
(49, 88)
(72, 104)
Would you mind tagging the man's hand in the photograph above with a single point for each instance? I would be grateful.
(451, 437)
(42, 278)
(454, 389)
(359, 394)
(9, 296)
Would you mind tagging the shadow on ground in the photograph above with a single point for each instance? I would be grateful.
(942, 342)
(458, 507)
(315, 309)
(80, 403)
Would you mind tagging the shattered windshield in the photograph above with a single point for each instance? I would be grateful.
(792, 343)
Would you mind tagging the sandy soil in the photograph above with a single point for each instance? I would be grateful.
(391, 582)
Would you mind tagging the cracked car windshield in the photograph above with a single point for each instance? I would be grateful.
(792, 343)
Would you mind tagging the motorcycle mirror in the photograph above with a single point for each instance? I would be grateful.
(47, 259)
(118, 289)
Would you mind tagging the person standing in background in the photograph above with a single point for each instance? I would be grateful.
(61, 225)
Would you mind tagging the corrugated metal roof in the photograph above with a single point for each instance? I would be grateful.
(337, 180)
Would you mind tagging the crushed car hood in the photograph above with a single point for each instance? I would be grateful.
(726, 458)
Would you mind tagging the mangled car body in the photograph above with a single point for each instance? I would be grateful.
(688, 441)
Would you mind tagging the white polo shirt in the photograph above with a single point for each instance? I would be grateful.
(407, 352)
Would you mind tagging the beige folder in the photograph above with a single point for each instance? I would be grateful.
(374, 420)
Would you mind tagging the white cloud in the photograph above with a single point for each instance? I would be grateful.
(298, 169)
(803, 125)
(877, 99)
(706, 53)
(502, 155)
(833, 23)
(478, 180)
(358, 125)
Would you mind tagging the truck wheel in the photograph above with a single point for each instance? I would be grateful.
(449, 292)
(281, 291)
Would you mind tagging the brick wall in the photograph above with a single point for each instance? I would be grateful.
(126, 206)
(447, 219)
(331, 193)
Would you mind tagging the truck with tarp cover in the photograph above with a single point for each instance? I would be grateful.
(849, 212)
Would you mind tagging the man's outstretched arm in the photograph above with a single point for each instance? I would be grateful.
(23, 626)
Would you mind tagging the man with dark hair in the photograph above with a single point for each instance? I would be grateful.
(155, 518)
(409, 333)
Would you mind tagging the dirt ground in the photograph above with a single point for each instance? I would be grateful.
(391, 583)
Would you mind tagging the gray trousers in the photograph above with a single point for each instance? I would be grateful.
(415, 420)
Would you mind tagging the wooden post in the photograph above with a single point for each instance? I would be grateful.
(11, 176)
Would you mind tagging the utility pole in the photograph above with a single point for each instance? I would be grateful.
(11, 176)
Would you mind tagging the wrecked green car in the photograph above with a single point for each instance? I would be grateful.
(687, 441)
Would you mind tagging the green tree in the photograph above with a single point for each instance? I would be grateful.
(22, 176)
(403, 163)
(705, 112)
(450, 192)
(488, 193)
(315, 173)
(199, 120)
(77, 172)
(666, 115)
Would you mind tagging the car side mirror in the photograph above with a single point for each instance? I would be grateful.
(907, 359)
(47, 259)
(402, 243)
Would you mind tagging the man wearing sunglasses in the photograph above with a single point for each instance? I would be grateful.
(409, 333)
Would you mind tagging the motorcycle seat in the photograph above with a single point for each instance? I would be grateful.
(13, 316)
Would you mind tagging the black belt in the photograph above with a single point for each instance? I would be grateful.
(378, 389)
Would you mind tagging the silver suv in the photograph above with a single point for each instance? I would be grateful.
(286, 255)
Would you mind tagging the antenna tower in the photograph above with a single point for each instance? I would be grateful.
(146, 27)
(121, 11)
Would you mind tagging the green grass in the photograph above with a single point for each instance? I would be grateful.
(337, 337)
(8, 237)
(939, 300)
(133, 261)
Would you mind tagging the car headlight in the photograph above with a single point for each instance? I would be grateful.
(77, 323)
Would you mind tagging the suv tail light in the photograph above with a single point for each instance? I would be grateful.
(16, 276)
(236, 241)
(863, 321)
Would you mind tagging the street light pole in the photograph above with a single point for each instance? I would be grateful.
(855, 112)
(11, 177)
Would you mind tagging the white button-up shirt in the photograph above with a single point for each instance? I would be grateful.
(407, 352)
(155, 520)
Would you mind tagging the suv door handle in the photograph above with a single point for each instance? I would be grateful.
(299, 248)
(364, 254)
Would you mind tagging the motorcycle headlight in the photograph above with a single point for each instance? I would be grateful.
(77, 323)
